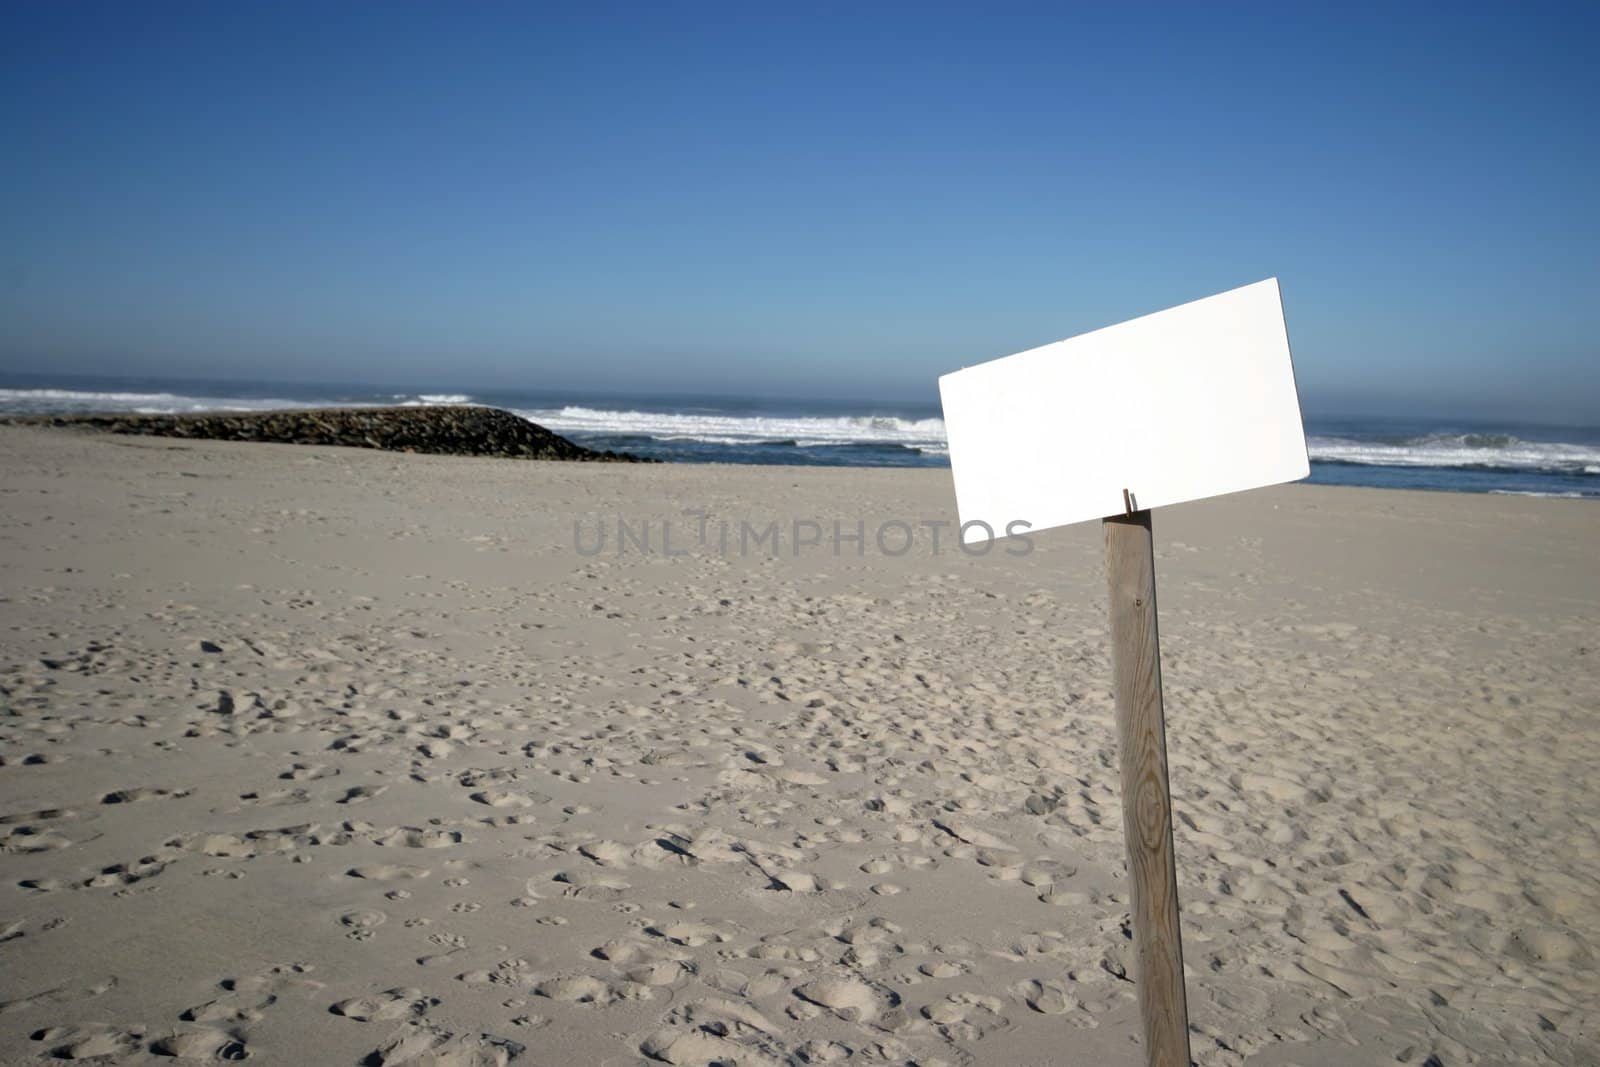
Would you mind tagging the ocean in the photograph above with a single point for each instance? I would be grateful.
(1452, 455)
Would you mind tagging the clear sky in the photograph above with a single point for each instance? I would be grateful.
(694, 197)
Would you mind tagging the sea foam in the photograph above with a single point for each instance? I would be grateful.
(801, 431)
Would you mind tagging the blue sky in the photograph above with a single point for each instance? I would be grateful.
(694, 197)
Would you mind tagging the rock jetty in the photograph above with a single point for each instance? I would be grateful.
(454, 430)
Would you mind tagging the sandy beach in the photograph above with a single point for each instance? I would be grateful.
(328, 756)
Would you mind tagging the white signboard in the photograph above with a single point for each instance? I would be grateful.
(1195, 401)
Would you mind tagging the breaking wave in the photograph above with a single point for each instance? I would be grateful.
(798, 431)
(1482, 451)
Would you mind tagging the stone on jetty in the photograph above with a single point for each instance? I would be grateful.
(455, 430)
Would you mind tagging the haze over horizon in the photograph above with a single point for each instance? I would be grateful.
(1315, 401)
(710, 200)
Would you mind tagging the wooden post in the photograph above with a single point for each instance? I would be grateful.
(1146, 799)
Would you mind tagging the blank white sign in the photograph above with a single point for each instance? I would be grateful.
(1191, 402)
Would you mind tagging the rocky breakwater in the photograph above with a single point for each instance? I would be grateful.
(455, 430)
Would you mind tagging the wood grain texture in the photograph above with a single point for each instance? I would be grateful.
(1146, 799)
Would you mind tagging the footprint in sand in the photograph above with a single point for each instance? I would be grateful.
(26, 840)
(362, 923)
(44, 885)
(436, 958)
(388, 872)
(723, 1015)
(399, 1003)
(966, 1016)
(308, 772)
(852, 999)
(1047, 997)
(422, 1044)
(276, 798)
(133, 796)
(607, 853)
(498, 799)
(627, 951)
(587, 989)
(766, 984)
(513, 973)
(872, 931)
(649, 965)
(971, 835)
(690, 935)
(700, 1048)
(416, 837)
(244, 1006)
(201, 1044)
(279, 979)
(118, 874)
(658, 973)
(42, 815)
(60, 994)
(586, 886)
(84, 1041)
(793, 881)
(221, 846)
(823, 1052)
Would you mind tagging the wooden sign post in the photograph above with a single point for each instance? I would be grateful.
(1146, 798)
(1192, 402)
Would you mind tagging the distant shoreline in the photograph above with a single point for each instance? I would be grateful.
(1433, 452)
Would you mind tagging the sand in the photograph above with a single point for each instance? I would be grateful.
(321, 756)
